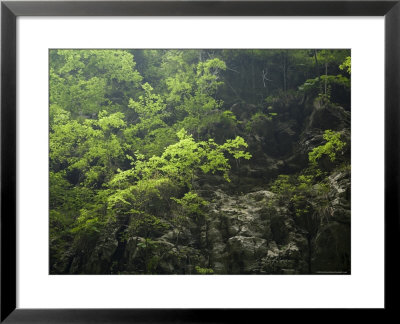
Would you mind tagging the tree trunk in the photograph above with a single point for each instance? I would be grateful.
(316, 64)
(326, 76)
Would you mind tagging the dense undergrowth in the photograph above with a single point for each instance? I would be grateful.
(142, 141)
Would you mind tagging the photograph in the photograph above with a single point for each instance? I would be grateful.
(204, 161)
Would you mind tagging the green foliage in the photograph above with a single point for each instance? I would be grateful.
(181, 161)
(192, 89)
(292, 188)
(258, 121)
(191, 203)
(316, 84)
(208, 75)
(84, 82)
(203, 271)
(87, 223)
(346, 65)
(330, 81)
(331, 148)
(229, 115)
(149, 122)
(147, 243)
(148, 107)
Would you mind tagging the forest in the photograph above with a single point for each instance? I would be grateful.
(199, 161)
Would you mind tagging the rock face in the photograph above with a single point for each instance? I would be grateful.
(245, 236)
(250, 234)
(332, 245)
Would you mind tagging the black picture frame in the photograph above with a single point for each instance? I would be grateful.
(10, 10)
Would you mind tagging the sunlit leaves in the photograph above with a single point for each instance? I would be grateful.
(346, 65)
(333, 146)
(84, 82)
(156, 180)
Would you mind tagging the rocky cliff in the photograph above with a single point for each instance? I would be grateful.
(246, 227)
